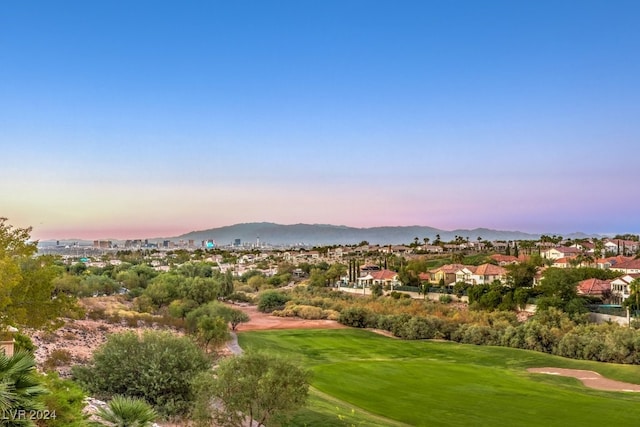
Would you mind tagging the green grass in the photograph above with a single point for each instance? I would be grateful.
(427, 383)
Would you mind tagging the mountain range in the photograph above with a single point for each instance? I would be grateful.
(326, 234)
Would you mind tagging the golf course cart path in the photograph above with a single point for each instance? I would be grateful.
(590, 379)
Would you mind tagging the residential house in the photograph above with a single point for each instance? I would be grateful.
(503, 260)
(499, 246)
(379, 277)
(481, 275)
(594, 287)
(433, 249)
(620, 287)
(628, 267)
(585, 246)
(619, 246)
(560, 252)
(401, 249)
(607, 263)
(445, 274)
(565, 262)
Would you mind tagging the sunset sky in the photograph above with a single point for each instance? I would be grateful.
(133, 119)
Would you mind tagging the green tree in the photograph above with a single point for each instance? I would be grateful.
(155, 366)
(226, 284)
(335, 272)
(521, 275)
(212, 331)
(201, 290)
(634, 296)
(125, 411)
(137, 277)
(28, 296)
(260, 387)
(257, 282)
(234, 316)
(318, 278)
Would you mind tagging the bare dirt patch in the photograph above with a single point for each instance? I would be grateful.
(79, 338)
(263, 321)
(589, 379)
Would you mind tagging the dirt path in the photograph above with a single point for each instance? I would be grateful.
(590, 379)
(262, 321)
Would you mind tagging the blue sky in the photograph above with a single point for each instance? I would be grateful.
(149, 118)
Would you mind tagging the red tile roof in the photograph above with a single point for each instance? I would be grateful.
(449, 268)
(634, 264)
(503, 258)
(593, 287)
(490, 270)
(383, 275)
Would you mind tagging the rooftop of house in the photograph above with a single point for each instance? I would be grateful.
(633, 264)
(448, 268)
(593, 286)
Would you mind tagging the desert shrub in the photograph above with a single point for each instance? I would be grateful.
(358, 317)
(477, 334)
(96, 314)
(398, 322)
(69, 336)
(395, 294)
(155, 366)
(48, 337)
(131, 321)
(513, 337)
(540, 337)
(240, 296)
(445, 298)
(58, 357)
(285, 312)
(309, 312)
(244, 289)
(114, 319)
(271, 300)
(376, 290)
(331, 314)
(418, 328)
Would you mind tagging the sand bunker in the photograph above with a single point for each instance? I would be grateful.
(590, 379)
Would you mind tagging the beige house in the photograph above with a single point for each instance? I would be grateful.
(628, 267)
(481, 275)
(445, 274)
(560, 252)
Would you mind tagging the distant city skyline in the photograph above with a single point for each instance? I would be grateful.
(141, 119)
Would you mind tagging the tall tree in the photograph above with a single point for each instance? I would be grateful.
(28, 295)
(257, 386)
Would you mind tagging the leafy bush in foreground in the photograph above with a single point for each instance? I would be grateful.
(156, 366)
